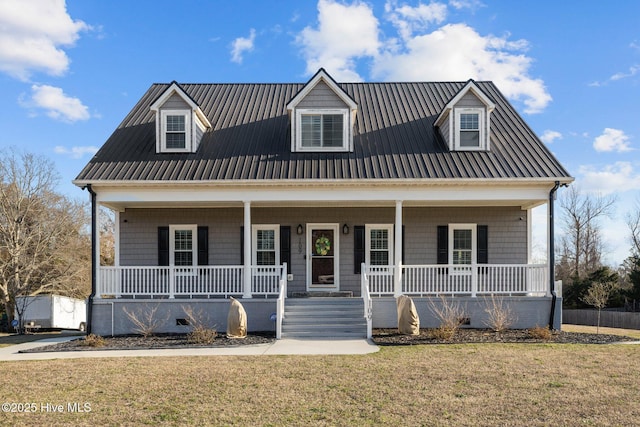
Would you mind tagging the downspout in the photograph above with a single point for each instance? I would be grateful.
(94, 267)
(552, 261)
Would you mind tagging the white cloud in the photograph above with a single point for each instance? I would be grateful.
(32, 34)
(618, 177)
(612, 140)
(632, 72)
(56, 104)
(458, 52)
(344, 33)
(450, 52)
(409, 19)
(76, 152)
(549, 136)
(242, 45)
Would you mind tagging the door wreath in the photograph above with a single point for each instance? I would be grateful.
(323, 245)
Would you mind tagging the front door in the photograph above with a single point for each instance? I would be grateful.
(322, 257)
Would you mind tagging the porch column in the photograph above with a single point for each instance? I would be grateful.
(397, 252)
(116, 251)
(247, 250)
(97, 251)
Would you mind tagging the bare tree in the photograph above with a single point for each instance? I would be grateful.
(44, 242)
(598, 296)
(633, 222)
(581, 247)
(107, 237)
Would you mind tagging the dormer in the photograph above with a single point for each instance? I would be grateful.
(322, 116)
(180, 123)
(464, 121)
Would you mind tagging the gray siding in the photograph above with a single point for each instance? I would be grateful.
(321, 96)
(469, 100)
(507, 234)
(175, 102)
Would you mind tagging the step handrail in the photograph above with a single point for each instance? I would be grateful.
(280, 302)
(366, 298)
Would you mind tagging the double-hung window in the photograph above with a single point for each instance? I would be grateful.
(266, 244)
(183, 245)
(462, 246)
(379, 244)
(176, 131)
(322, 130)
(470, 133)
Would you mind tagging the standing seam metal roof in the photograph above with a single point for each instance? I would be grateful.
(393, 135)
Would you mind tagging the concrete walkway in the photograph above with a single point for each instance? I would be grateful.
(278, 347)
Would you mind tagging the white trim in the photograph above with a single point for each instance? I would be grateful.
(482, 135)
(188, 142)
(391, 240)
(336, 256)
(474, 239)
(194, 243)
(346, 125)
(254, 241)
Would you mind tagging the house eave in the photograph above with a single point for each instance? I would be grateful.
(404, 182)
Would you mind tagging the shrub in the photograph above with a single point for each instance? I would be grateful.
(201, 330)
(540, 333)
(202, 336)
(450, 314)
(93, 340)
(500, 316)
(145, 320)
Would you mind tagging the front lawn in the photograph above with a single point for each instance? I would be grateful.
(455, 384)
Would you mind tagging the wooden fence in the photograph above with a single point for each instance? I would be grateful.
(608, 319)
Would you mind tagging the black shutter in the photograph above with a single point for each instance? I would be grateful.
(285, 246)
(242, 245)
(163, 246)
(443, 244)
(203, 245)
(358, 248)
(483, 244)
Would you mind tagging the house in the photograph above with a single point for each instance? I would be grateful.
(350, 194)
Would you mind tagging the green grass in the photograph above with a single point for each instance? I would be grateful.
(434, 385)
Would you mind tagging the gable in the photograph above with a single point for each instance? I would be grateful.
(322, 96)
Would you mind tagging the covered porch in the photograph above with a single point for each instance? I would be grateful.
(382, 243)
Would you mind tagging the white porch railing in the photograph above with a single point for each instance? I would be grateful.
(200, 282)
(422, 280)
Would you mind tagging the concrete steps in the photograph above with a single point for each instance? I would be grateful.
(324, 318)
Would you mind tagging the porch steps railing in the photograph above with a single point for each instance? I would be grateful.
(324, 318)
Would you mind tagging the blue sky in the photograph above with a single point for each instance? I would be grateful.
(70, 72)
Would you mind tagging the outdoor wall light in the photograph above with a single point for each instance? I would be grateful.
(345, 229)
(299, 230)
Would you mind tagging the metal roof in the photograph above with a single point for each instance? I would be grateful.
(394, 138)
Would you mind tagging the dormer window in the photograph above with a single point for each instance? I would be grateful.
(470, 130)
(322, 129)
(322, 116)
(175, 131)
(180, 123)
(464, 122)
